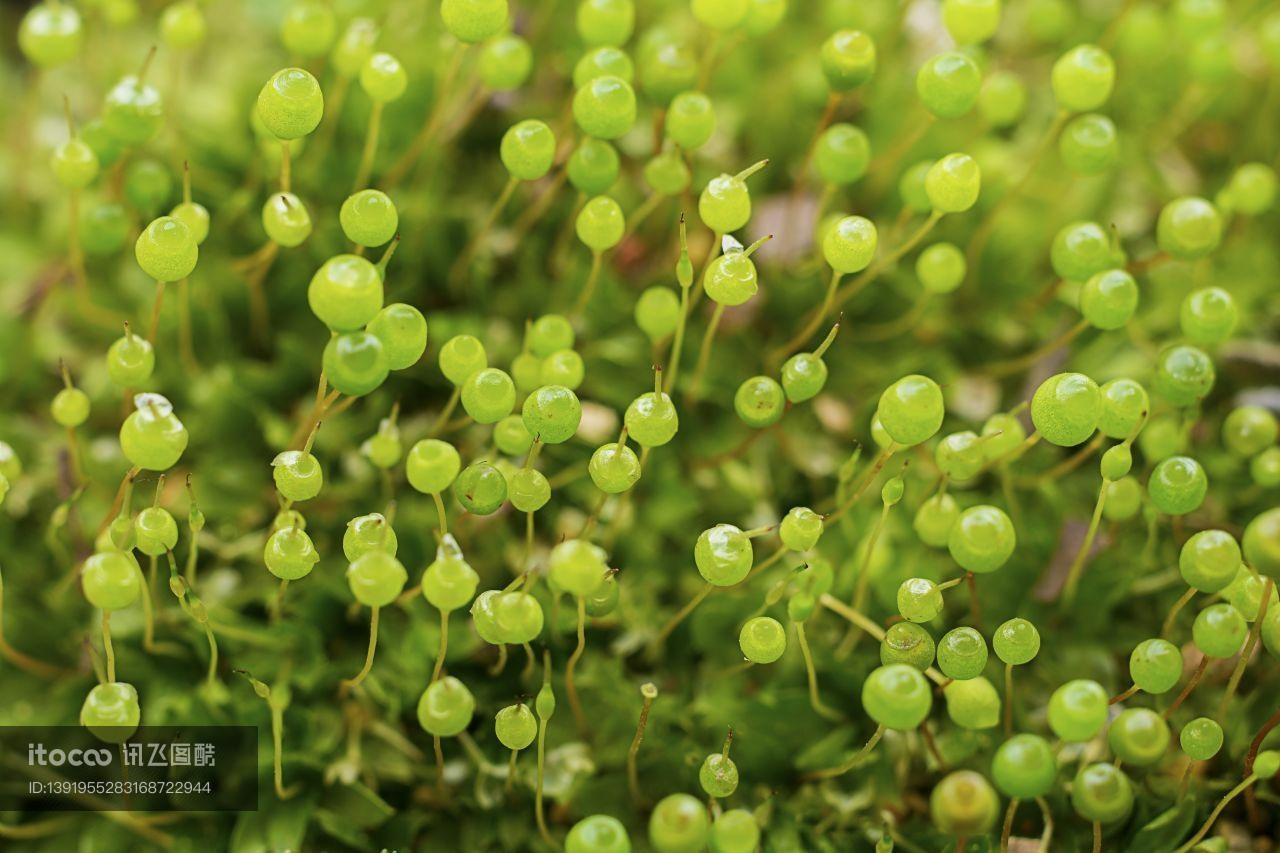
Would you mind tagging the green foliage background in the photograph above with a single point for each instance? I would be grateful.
(364, 768)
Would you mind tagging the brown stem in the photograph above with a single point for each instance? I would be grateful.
(1191, 685)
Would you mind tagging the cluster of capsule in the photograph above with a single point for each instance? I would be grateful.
(370, 338)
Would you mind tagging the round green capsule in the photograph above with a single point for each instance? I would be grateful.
(1249, 430)
(1201, 739)
(736, 830)
(1139, 736)
(376, 578)
(801, 528)
(723, 555)
(297, 475)
(1016, 642)
(962, 654)
(286, 220)
(614, 468)
(973, 703)
(1125, 405)
(70, 407)
(111, 580)
(528, 150)
(291, 104)
(1124, 499)
(982, 539)
(1108, 299)
(505, 62)
(446, 706)
(133, 111)
(1219, 630)
(367, 533)
(1208, 316)
(383, 78)
(842, 154)
(308, 28)
(848, 59)
(1024, 767)
(152, 437)
(1189, 228)
(1155, 665)
(601, 224)
(934, 519)
(725, 204)
(651, 419)
(369, 218)
(354, 46)
(1261, 543)
(678, 824)
(473, 21)
(911, 410)
(290, 554)
(488, 395)
(803, 376)
(1178, 485)
(345, 293)
(718, 775)
(166, 249)
(111, 711)
(1003, 99)
(1252, 187)
(1066, 408)
(598, 834)
(515, 726)
(720, 14)
(1078, 710)
(432, 465)
(1081, 250)
(762, 640)
(528, 490)
(594, 166)
(355, 363)
(964, 804)
(480, 488)
(948, 84)
(1210, 560)
(897, 697)
(1102, 793)
(691, 120)
(403, 332)
(760, 402)
(606, 22)
(461, 357)
(959, 456)
(658, 313)
(1089, 144)
(605, 107)
(952, 184)
(907, 643)
(941, 268)
(50, 34)
(577, 567)
(552, 414)
(1083, 78)
(731, 279)
(971, 21)
(449, 583)
(919, 600)
(850, 244)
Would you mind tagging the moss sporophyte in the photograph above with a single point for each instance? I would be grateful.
(885, 400)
